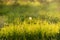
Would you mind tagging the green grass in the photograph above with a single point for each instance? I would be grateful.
(45, 23)
(41, 30)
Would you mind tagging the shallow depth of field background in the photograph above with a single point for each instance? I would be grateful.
(29, 19)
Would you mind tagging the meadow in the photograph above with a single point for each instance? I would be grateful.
(30, 22)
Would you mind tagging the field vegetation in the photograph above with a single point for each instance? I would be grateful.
(30, 20)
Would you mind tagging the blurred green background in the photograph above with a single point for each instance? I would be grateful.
(30, 19)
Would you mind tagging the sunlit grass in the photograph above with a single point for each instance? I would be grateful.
(32, 29)
(30, 21)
